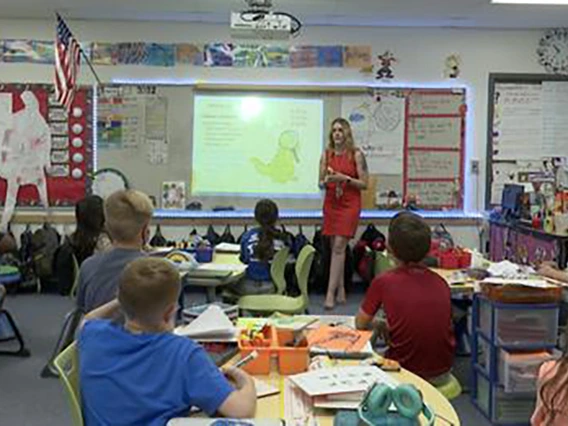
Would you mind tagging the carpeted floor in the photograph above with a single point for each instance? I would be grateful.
(28, 400)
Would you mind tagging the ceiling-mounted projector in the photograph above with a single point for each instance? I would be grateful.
(259, 22)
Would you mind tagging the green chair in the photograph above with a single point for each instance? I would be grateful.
(270, 303)
(76, 268)
(67, 364)
(277, 269)
(451, 388)
(383, 262)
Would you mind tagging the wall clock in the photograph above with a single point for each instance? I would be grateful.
(552, 51)
(106, 181)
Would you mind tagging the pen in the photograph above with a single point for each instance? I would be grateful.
(246, 359)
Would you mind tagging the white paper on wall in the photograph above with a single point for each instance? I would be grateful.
(554, 119)
(378, 129)
(25, 154)
(517, 123)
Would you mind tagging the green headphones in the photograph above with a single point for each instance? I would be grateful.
(374, 408)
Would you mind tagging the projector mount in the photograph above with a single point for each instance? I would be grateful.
(259, 9)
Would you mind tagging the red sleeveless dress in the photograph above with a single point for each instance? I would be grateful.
(342, 203)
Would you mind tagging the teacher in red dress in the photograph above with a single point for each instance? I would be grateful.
(343, 174)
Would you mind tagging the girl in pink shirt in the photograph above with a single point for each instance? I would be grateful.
(552, 395)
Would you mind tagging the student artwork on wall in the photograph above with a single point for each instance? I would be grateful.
(213, 54)
(34, 169)
(173, 195)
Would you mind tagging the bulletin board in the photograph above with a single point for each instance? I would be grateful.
(413, 139)
(527, 129)
(44, 145)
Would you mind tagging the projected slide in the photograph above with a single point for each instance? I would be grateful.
(256, 145)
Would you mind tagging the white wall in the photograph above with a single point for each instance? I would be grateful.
(421, 53)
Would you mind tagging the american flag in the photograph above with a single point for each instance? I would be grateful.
(67, 61)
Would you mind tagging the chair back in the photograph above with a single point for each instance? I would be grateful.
(277, 269)
(76, 268)
(67, 364)
(303, 266)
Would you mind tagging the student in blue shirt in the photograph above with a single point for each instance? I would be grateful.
(258, 247)
(140, 373)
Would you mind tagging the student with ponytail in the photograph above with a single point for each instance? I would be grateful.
(258, 247)
(552, 394)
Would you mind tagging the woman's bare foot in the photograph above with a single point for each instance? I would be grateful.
(328, 307)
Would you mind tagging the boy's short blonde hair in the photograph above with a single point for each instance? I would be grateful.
(127, 212)
(147, 287)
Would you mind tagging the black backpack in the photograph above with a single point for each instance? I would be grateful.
(227, 236)
(300, 240)
(45, 242)
(319, 274)
(212, 236)
(158, 240)
(64, 267)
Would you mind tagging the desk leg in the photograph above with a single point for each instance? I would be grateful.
(211, 294)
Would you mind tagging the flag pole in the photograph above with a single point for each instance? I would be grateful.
(83, 54)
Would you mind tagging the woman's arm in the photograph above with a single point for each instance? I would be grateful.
(322, 170)
(362, 172)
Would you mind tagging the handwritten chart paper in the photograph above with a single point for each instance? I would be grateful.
(434, 194)
(433, 164)
(517, 121)
(434, 132)
(554, 119)
(423, 103)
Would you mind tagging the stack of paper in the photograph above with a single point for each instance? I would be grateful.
(228, 248)
(341, 387)
(211, 326)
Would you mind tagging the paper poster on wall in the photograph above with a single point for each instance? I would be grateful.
(5, 112)
(378, 129)
(432, 103)
(434, 132)
(30, 51)
(303, 56)
(554, 118)
(109, 119)
(156, 117)
(433, 164)
(158, 151)
(190, 54)
(357, 57)
(517, 122)
(173, 195)
(435, 194)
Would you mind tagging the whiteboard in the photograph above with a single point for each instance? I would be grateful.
(148, 162)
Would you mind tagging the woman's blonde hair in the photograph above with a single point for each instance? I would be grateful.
(347, 133)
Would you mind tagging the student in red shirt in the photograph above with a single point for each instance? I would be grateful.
(416, 302)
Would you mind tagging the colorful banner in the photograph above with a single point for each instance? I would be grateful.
(209, 55)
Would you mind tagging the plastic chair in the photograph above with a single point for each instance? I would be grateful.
(383, 262)
(76, 268)
(67, 365)
(10, 332)
(451, 388)
(277, 269)
(270, 303)
(66, 337)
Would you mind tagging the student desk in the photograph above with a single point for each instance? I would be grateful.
(273, 406)
(211, 282)
(464, 290)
